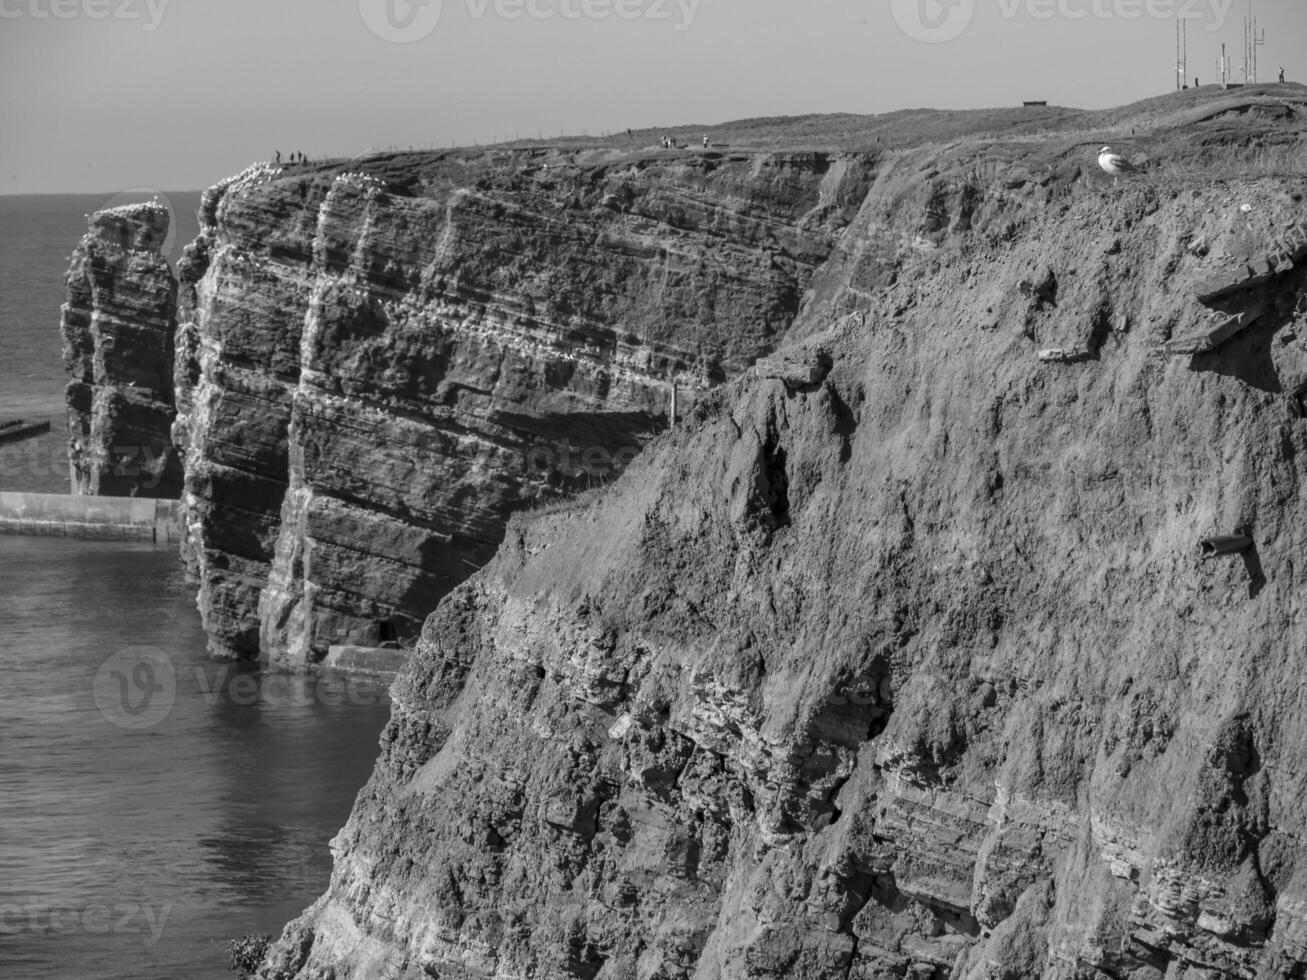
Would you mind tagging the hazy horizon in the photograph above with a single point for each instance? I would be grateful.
(99, 96)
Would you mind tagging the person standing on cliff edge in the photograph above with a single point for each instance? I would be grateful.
(276, 158)
(1281, 76)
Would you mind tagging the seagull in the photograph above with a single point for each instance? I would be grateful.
(1115, 164)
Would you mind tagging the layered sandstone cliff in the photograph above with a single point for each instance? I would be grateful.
(118, 326)
(377, 365)
(898, 657)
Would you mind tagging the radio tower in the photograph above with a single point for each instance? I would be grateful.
(1252, 40)
(1181, 54)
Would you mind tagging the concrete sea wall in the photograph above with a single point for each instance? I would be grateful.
(92, 518)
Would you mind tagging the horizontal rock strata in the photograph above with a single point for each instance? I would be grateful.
(118, 326)
(377, 366)
(896, 657)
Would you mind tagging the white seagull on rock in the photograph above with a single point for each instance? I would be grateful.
(1115, 164)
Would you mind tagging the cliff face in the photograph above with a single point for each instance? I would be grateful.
(117, 329)
(376, 367)
(897, 657)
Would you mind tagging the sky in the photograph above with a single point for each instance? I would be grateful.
(109, 95)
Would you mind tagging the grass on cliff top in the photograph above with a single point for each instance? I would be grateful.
(1254, 130)
(913, 127)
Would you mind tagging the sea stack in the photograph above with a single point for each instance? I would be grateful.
(118, 326)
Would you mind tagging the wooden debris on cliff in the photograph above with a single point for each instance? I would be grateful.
(1257, 273)
(1209, 340)
(1261, 272)
(1066, 355)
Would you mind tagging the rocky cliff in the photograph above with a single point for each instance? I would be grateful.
(900, 656)
(378, 364)
(118, 327)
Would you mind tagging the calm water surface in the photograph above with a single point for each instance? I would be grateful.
(139, 853)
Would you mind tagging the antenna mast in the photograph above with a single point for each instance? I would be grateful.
(1252, 40)
(1259, 41)
(1181, 54)
(1184, 27)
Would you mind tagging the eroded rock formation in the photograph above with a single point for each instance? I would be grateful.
(377, 366)
(897, 658)
(118, 326)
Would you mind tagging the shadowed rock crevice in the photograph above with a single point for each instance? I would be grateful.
(777, 480)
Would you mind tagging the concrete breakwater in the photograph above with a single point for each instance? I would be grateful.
(16, 430)
(92, 518)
